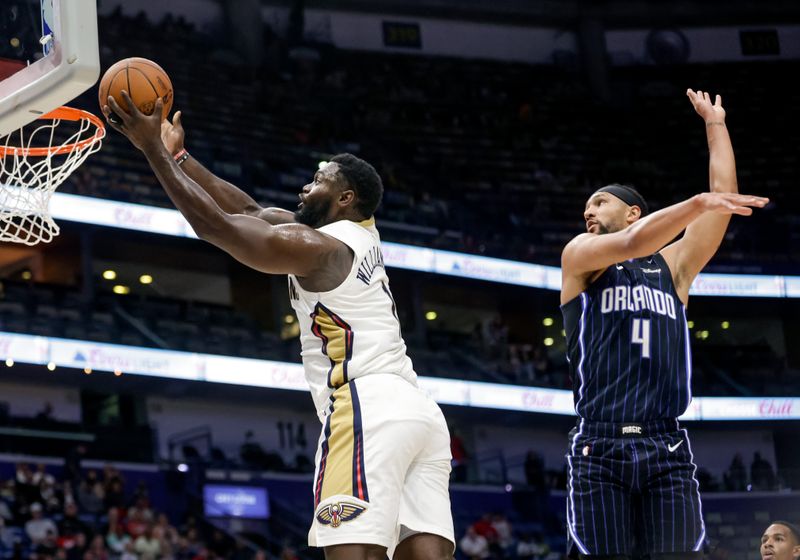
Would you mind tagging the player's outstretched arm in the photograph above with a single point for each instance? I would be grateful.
(687, 256)
(282, 249)
(590, 252)
(228, 196)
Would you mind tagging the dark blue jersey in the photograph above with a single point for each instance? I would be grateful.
(628, 345)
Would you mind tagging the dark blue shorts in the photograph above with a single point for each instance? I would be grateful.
(632, 489)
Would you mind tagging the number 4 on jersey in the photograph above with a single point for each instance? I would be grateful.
(641, 335)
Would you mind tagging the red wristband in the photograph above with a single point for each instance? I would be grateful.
(181, 156)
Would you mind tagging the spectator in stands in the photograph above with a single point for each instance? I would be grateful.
(111, 475)
(473, 545)
(135, 523)
(460, 456)
(48, 545)
(495, 337)
(90, 493)
(118, 540)
(165, 532)
(781, 541)
(142, 509)
(251, 453)
(129, 553)
(114, 495)
(146, 545)
(289, 553)
(532, 547)
(26, 491)
(484, 528)
(7, 536)
(71, 526)
(505, 533)
(72, 466)
(97, 549)
(45, 416)
(40, 529)
(762, 477)
(736, 475)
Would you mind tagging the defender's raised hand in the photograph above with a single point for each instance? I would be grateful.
(701, 101)
(144, 131)
(731, 203)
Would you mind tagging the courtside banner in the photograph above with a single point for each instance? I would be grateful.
(149, 219)
(118, 359)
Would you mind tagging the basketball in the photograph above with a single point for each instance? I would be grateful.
(144, 80)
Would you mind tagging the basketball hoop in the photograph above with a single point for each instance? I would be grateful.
(34, 161)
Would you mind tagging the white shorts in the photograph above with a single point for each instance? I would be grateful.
(382, 466)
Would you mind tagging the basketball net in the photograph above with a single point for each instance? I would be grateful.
(34, 161)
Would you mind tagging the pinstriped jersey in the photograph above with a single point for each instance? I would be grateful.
(352, 330)
(628, 345)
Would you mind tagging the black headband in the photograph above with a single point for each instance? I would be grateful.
(628, 196)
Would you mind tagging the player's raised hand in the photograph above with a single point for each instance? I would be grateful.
(701, 101)
(172, 133)
(731, 203)
(142, 130)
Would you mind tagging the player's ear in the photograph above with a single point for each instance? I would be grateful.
(634, 213)
(796, 552)
(347, 198)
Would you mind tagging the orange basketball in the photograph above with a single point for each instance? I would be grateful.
(144, 80)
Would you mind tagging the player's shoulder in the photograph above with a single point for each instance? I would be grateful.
(575, 242)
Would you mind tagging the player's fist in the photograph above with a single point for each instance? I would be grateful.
(701, 101)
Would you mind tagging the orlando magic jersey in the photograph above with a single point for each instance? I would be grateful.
(628, 345)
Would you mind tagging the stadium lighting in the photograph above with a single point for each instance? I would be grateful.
(690, 324)
(146, 279)
(183, 467)
(9, 362)
(51, 366)
(322, 164)
(87, 370)
(121, 290)
(110, 274)
(431, 315)
(726, 325)
(117, 372)
(548, 321)
(548, 341)
(26, 275)
(288, 319)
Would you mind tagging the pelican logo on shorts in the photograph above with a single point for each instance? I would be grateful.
(338, 513)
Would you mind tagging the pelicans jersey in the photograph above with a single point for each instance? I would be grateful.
(632, 485)
(383, 458)
(353, 330)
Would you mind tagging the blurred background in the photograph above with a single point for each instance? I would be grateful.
(490, 124)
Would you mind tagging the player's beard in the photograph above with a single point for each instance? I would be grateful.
(313, 214)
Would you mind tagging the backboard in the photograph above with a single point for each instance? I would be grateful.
(65, 63)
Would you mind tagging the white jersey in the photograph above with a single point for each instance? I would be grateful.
(352, 330)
